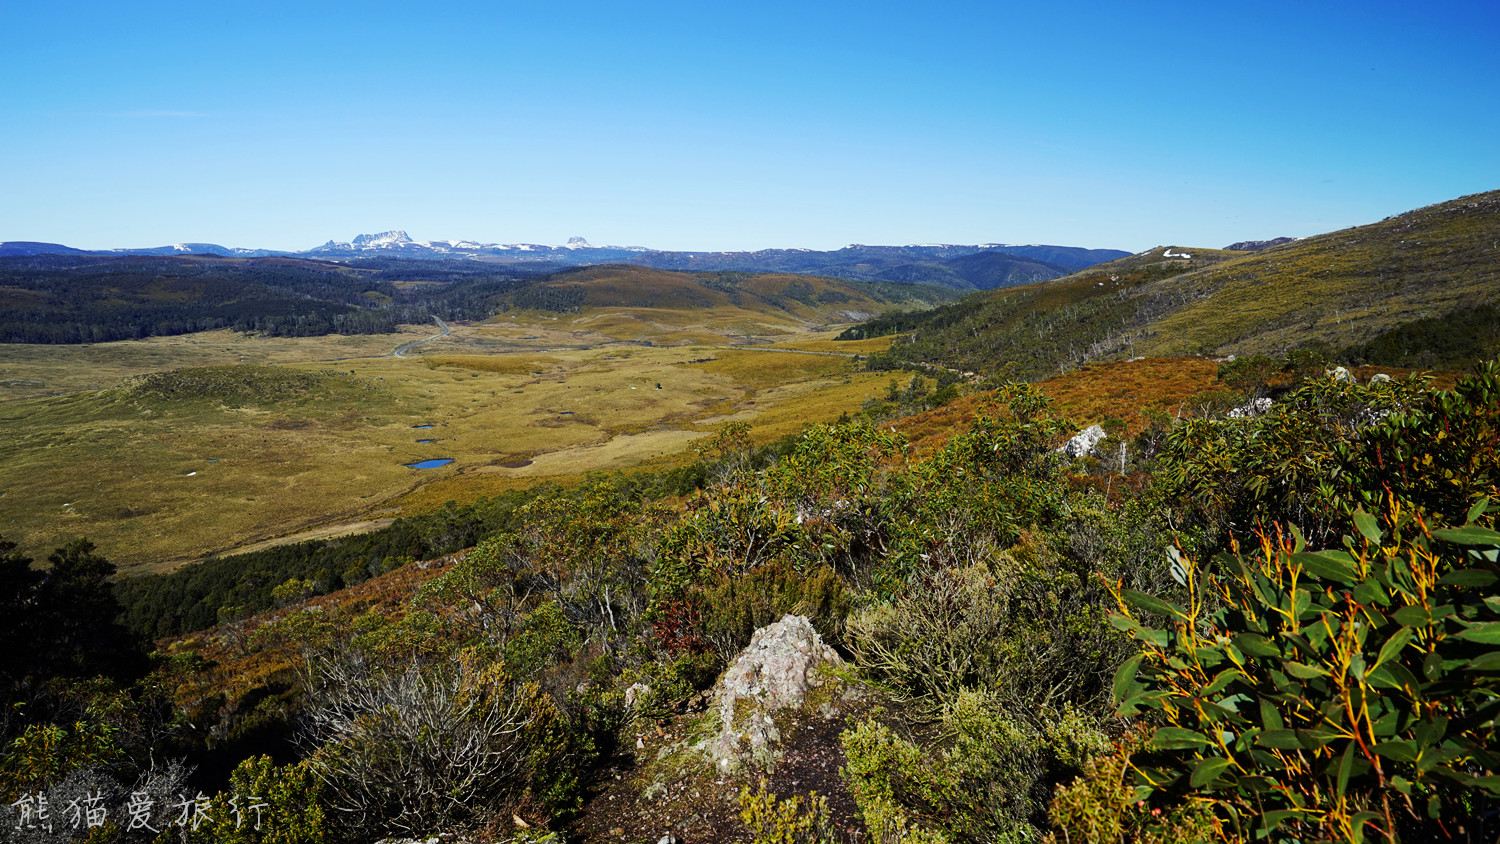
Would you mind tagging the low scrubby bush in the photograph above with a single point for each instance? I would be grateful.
(986, 779)
(1343, 695)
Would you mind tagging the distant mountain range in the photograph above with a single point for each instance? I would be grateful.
(982, 267)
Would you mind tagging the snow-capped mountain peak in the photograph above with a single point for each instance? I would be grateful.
(382, 240)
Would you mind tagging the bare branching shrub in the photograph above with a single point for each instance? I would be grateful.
(936, 638)
(410, 750)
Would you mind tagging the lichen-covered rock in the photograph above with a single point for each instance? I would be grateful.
(783, 663)
(1083, 442)
(1251, 408)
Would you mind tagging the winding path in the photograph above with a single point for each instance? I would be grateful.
(402, 349)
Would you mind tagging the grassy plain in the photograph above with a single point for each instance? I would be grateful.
(236, 441)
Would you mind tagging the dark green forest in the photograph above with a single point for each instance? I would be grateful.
(84, 299)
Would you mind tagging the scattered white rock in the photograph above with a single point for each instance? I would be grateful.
(1083, 442)
(634, 692)
(1254, 407)
(1378, 377)
(1339, 373)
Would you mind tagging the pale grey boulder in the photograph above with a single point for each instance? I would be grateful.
(783, 664)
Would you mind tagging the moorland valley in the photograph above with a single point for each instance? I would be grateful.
(409, 539)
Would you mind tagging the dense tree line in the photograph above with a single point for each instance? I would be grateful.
(1451, 341)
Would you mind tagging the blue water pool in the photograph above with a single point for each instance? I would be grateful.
(431, 464)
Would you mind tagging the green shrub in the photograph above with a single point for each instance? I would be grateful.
(1103, 806)
(671, 681)
(978, 494)
(775, 821)
(1331, 447)
(1333, 694)
(943, 634)
(1025, 627)
(987, 781)
(290, 801)
(731, 609)
(544, 638)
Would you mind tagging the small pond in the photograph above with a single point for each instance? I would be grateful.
(426, 441)
(420, 427)
(431, 464)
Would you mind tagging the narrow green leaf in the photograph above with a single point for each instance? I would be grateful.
(1368, 527)
(1490, 784)
(1344, 765)
(1253, 644)
(1329, 565)
(1316, 737)
(1176, 738)
(1401, 751)
(1279, 740)
(1360, 821)
(1485, 633)
(1478, 509)
(1369, 592)
(1303, 671)
(1469, 578)
(1394, 675)
(1152, 604)
(1411, 617)
(1224, 678)
(1125, 683)
(1271, 820)
(1392, 647)
(1387, 724)
(1208, 770)
(1270, 717)
(1488, 662)
(1175, 565)
(1468, 535)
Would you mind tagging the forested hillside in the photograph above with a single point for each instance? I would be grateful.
(1414, 290)
(87, 299)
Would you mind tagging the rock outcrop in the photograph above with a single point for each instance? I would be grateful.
(1083, 442)
(783, 664)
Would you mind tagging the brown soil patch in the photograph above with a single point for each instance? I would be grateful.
(698, 805)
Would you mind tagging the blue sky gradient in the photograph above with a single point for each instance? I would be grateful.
(755, 125)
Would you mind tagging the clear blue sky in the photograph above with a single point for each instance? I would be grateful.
(738, 126)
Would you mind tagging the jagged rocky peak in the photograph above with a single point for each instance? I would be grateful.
(390, 238)
(577, 243)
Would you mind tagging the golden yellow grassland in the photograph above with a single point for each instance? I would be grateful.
(222, 451)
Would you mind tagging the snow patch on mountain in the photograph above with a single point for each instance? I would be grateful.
(382, 240)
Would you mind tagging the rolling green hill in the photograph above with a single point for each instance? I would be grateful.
(1415, 289)
(698, 296)
(94, 299)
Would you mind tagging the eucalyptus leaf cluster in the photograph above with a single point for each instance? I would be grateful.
(1337, 694)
